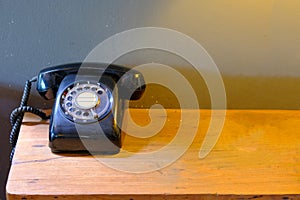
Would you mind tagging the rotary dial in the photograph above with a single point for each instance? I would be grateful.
(86, 102)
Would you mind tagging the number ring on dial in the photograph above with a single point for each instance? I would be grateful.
(86, 102)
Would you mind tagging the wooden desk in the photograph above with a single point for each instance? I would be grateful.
(256, 156)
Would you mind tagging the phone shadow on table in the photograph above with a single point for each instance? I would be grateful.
(120, 153)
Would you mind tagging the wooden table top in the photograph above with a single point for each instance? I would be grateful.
(256, 156)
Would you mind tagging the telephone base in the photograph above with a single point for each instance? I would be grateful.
(91, 146)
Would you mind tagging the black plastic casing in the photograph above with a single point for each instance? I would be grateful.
(103, 136)
(67, 136)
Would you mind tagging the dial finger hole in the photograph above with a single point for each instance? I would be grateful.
(78, 112)
(94, 89)
(86, 114)
(100, 92)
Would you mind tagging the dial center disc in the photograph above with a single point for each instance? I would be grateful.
(87, 100)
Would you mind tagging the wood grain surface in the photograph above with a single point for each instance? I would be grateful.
(256, 156)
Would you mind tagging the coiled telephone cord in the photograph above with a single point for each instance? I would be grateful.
(17, 115)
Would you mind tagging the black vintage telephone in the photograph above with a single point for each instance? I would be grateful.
(86, 94)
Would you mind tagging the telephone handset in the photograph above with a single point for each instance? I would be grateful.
(87, 95)
(50, 78)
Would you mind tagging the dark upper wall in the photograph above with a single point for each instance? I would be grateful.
(252, 39)
(43, 33)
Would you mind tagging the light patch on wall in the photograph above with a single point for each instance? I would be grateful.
(241, 36)
(285, 37)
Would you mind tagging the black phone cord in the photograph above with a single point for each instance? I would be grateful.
(17, 115)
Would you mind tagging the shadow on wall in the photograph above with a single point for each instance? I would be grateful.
(242, 93)
(262, 92)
